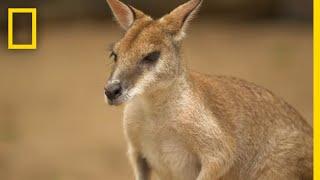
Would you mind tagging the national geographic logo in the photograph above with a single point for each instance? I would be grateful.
(33, 43)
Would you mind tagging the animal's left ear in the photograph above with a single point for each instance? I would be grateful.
(124, 14)
(177, 21)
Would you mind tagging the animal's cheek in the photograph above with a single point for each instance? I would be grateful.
(131, 78)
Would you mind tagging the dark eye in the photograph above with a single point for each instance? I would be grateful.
(151, 58)
(114, 56)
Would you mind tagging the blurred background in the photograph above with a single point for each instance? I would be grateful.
(54, 124)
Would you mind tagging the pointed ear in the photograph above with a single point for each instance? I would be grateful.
(124, 14)
(177, 21)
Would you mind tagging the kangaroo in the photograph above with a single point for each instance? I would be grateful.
(183, 125)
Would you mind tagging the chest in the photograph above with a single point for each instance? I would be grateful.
(168, 155)
(156, 137)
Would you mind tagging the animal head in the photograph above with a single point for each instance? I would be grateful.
(148, 55)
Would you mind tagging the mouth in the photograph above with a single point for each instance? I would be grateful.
(117, 101)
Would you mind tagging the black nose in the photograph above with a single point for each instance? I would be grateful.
(113, 91)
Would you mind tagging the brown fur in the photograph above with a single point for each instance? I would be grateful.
(184, 125)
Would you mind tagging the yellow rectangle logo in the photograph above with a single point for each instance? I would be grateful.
(33, 44)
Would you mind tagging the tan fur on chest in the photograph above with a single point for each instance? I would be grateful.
(156, 134)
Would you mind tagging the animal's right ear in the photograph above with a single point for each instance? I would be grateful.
(124, 14)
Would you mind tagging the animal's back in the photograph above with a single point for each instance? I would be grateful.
(272, 138)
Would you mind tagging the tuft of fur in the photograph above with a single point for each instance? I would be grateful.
(184, 125)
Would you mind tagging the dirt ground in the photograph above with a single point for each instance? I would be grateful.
(55, 125)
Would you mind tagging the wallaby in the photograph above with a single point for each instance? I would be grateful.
(184, 125)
